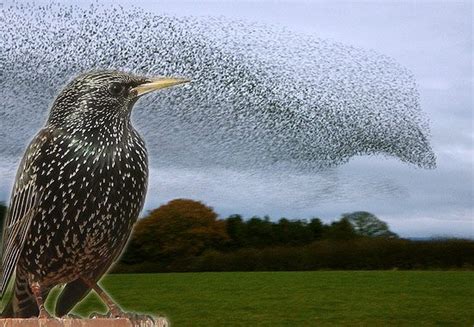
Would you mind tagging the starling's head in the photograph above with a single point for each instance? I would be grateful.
(103, 96)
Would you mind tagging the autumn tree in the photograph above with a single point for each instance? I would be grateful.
(179, 229)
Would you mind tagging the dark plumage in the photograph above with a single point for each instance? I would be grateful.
(78, 191)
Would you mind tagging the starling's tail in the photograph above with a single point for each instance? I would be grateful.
(72, 294)
(22, 303)
(8, 309)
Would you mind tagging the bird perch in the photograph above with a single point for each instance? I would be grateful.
(98, 322)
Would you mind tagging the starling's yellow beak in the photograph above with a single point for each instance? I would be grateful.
(157, 84)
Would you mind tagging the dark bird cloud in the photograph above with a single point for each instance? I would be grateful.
(260, 95)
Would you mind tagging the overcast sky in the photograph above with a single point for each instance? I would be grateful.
(434, 41)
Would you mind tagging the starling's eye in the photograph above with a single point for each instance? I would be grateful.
(115, 89)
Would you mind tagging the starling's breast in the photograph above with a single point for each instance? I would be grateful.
(93, 192)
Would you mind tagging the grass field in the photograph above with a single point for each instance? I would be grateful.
(327, 298)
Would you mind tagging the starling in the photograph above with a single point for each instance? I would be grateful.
(79, 190)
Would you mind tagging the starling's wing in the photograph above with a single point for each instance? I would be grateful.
(23, 206)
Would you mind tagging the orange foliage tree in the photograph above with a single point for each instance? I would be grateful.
(181, 228)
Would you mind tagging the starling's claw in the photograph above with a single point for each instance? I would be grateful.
(72, 316)
(44, 315)
(134, 318)
(146, 317)
(96, 315)
(130, 315)
(117, 313)
(146, 320)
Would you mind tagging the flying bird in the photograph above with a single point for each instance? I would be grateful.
(78, 191)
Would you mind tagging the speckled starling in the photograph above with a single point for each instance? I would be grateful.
(78, 192)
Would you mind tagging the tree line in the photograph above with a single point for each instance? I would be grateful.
(186, 235)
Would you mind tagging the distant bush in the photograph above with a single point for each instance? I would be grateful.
(360, 254)
(355, 254)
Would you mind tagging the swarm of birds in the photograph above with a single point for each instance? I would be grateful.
(261, 95)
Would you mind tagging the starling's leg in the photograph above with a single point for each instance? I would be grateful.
(114, 310)
(36, 289)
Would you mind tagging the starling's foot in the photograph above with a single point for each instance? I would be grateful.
(146, 320)
(134, 318)
(72, 316)
(141, 317)
(117, 313)
(95, 315)
(44, 314)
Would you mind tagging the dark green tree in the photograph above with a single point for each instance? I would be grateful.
(340, 230)
(236, 230)
(316, 227)
(292, 232)
(259, 232)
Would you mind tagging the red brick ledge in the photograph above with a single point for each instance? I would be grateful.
(98, 322)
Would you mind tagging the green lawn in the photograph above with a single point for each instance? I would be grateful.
(323, 298)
